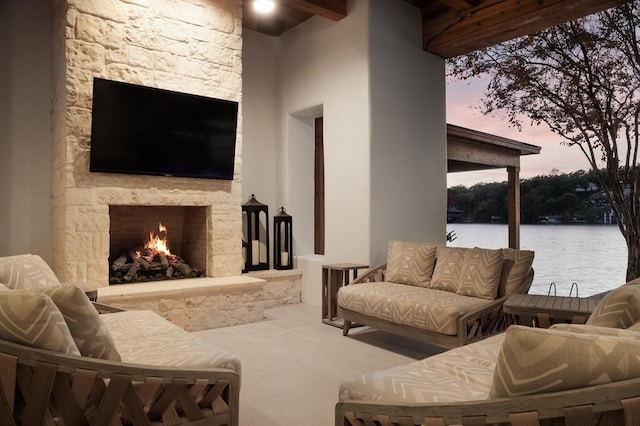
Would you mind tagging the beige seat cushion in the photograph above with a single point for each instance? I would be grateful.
(144, 337)
(620, 308)
(536, 360)
(89, 332)
(33, 319)
(429, 309)
(26, 271)
(461, 374)
(410, 263)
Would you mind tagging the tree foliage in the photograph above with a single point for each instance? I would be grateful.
(582, 79)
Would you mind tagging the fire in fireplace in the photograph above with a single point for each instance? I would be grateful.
(153, 262)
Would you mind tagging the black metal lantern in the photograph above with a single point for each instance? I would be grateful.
(255, 227)
(282, 240)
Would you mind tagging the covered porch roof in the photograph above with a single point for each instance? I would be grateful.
(470, 150)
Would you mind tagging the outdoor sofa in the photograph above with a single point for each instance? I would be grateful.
(568, 374)
(446, 296)
(63, 363)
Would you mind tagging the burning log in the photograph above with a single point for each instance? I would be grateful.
(119, 263)
(132, 267)
(152, 263)
(132, 271)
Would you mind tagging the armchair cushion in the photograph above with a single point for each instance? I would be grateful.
(26, 271)
(619, 309)
(536, 360)
(410, 263)
(33, 319)
(89, 332)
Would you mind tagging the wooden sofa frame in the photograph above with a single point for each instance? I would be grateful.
(608, 404)
(472, 326)
(41, 387)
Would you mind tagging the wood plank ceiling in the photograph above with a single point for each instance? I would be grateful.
(449, 27)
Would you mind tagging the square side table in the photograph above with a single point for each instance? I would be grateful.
(335, 276)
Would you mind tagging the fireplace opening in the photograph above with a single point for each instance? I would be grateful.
(156, 243)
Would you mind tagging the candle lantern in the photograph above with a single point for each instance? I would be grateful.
(282, 240)
(255, 227)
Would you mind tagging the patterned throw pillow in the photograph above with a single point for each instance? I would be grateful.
(516, 266)
(618, 309)
(535, 360)
(26, 271)
(33, 319)
(410, 263)
(448, 271)
(89, 332)
(481, 272)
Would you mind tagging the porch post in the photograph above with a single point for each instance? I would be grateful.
(513, 200)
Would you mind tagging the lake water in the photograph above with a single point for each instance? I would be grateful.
(593, 256)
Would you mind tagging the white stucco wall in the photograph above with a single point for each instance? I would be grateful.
(324, 70)
(383, 102)
(408, 131)
(25, 128)
(260, 102)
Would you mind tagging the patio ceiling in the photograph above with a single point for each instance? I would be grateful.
(449, 27)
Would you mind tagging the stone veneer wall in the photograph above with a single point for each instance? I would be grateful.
(191, 46)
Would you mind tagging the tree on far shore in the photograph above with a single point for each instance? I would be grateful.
(582, 79)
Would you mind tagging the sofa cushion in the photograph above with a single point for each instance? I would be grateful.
(468, 271)
(144, 337)
(515, 269)
(26, 271)
(428, 309)
(448, 270)
(536, 360)
(481, 273)
(620, 308)
(33, 319)
(89, 332)
(460, 374)
(410, 263)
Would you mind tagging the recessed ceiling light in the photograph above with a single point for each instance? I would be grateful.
(264, 6)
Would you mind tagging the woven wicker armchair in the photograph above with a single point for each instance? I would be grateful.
(472, 326)
(609, 404)
(40, 387)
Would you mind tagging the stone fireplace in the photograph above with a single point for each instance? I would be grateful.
(191, 46)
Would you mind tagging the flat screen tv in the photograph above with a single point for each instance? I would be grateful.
(148, 131)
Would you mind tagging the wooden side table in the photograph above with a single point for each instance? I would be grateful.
(335, 276)
(543, 311)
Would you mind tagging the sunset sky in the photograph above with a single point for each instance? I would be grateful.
(463, 102)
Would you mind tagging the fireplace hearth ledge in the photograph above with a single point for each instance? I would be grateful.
(195, 303)
(191, 286)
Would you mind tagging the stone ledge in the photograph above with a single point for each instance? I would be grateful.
(179, 288)
(204, 303)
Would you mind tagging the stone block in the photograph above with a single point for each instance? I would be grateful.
(96, 30)
(86, 56)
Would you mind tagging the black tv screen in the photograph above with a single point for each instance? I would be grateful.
(148, 131)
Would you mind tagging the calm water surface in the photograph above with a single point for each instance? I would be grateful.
(593, 256)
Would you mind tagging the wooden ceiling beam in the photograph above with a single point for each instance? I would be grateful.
(453, 33)
(459, 5)
(330, 9)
